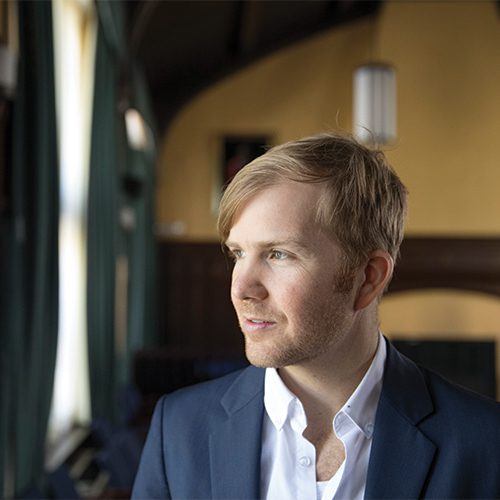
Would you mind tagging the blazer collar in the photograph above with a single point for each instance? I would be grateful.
(246, 387)
(401, 454)
(237, 475)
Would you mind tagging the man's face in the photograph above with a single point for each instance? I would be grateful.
(284, 279)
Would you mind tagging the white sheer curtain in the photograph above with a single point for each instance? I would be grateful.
(74, 36)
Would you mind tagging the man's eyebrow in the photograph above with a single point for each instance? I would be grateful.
(293, 242)
(229, 243)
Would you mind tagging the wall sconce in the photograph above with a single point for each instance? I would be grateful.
(136, 130)
(374, 104)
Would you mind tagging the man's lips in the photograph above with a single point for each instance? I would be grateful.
(256, 324)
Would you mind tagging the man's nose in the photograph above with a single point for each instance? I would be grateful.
(247, 283)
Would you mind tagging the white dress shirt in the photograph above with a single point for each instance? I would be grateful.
(288, 460)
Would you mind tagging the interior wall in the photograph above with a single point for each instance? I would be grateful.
(446, 55)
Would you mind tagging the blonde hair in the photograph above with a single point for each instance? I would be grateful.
(363, 205)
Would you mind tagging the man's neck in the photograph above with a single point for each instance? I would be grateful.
(324, 385)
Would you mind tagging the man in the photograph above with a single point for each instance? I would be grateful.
(329, 409)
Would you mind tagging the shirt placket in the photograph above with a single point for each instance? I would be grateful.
(304, 457)
(351, 437)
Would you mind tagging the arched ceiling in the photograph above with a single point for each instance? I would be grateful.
(185, 46)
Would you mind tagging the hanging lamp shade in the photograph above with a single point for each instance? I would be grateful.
(374, 104)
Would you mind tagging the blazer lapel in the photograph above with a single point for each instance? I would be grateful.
(236, 473)
(401, 455)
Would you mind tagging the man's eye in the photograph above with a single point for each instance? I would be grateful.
(278, 255)
(236, 254)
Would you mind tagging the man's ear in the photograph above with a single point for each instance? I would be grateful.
(377, 274)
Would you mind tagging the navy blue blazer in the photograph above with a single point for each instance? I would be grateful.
(431, 439)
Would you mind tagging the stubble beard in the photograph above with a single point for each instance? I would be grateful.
(319, 329)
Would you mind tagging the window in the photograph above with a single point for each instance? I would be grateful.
(74, 47)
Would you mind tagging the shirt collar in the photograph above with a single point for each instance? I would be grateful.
(277, 398)
(361, 406)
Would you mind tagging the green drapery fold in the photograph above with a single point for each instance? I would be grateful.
(111, 246)
(102, 235)
(29, 284)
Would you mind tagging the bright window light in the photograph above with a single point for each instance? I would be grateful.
(74, 48)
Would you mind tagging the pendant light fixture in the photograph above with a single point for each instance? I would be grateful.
(374, 104)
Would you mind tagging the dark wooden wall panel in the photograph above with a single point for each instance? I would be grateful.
(196, 316)
(458, 263)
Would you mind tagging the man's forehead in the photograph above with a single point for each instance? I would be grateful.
(286, 215)
(288, 192)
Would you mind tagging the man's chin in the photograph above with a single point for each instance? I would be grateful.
(266, 359)
(260, 360)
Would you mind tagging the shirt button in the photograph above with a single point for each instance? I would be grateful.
(369, 429)
(305, 461)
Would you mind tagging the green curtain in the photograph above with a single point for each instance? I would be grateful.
(29, 284)
(103, 233)
(114, 169)
(142, 285)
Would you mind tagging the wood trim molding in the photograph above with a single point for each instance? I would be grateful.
(457, 263)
